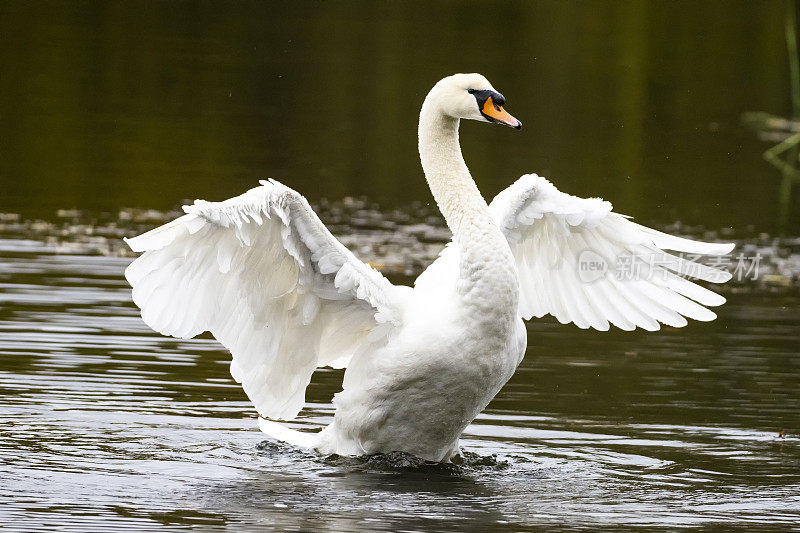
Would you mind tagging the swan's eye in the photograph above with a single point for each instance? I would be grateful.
(470, 91)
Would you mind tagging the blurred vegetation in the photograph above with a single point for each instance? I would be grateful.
(144, 104)
(784, 155)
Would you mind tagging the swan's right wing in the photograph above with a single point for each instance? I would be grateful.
(269, 281)
(582, 263)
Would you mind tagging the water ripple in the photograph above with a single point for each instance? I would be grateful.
(105, 423)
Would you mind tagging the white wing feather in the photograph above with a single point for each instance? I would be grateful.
(552, 235)
(269, 281)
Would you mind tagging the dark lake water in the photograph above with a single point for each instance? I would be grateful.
(105, 106)
(143, 104)
(104, 421)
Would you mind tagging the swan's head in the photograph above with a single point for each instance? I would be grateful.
(471, 97)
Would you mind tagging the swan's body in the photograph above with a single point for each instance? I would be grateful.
(263, 274)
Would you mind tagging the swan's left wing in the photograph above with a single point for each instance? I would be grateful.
(582, 263)
(263, 274)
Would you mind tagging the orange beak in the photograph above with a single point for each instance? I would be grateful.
(500, 115)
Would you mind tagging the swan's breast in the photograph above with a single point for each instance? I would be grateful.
(420, 393)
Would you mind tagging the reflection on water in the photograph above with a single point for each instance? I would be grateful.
(104, 421)
(110, 105)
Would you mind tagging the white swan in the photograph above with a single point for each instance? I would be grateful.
(267, 279)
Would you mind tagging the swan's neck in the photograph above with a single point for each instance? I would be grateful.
(452, 186)
(486, 264)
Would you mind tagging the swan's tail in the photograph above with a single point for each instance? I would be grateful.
(300, 439)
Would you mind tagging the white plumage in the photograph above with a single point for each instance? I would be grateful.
(549, 230)
(269, 281)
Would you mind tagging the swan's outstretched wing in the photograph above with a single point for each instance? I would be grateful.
(269, 281)
(582, 263)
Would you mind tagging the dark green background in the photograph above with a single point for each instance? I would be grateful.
(143, 104)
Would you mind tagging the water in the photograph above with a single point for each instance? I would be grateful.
(105, 422)
(111, 106)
